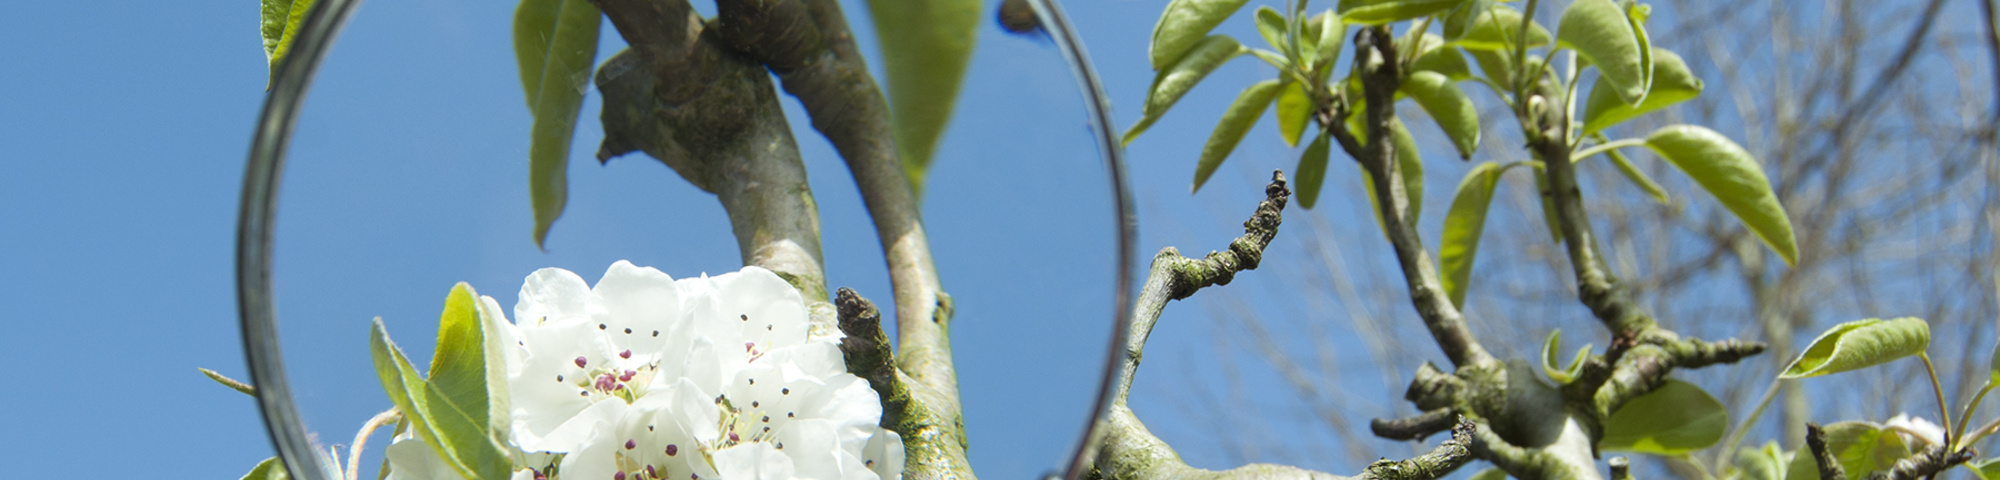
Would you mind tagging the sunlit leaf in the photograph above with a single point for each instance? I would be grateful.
(1434, 56)
(1311, 172)
(1638, 177)
(464, 443)
(1271, 25)
(1175, 81)
(1728, 172)
(1860, 447)
(1672, 83)
(406, 389)
(1495, 30)
(1458, 22)
(926, 48)
(1236, 122)
(1986, 469)
(269, 469)
(278, 23)
(458, 366)
(555, 42)
(1763, 463)
(1449, 106)
(1674, 419)
(1377, 12)
(1603, 35)
(1550, 366)
(1295, 111)
(1328, 33)
(1183, 25)
(1860, 344)
(1463, 225)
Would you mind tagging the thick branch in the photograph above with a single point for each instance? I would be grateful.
(714, 118)
(1829, 467)
(1414, 427)
(808, 44)
(932, 450)
(1924, 464)
(1380, 77)
(1130, 452)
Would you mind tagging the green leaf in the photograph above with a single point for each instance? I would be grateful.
(1377, 12)
(1674, 419)
(1170, 85)
(495, 332)
(280, 21)
(1602, 34)
(1183, 25)
(1295, 111)
(1860, 344)
(1449, 106)
(1311, 172)
(1271, 25)
(1672, 83)
(1638, 177)
(269, 469)
(406, 389)
(1236, 122)
(1458, 22)
(1328, 34)
(1463, 225)
(1498, 66)
(926, 48)
(232, 383)
(555, 42)
(458, 367)
(1562, 375)
(1728, 172)
(1495, 31)
(1434, 56)
(1986, 469)
(1763, 463)
(1860, 447)
(464, 444)
(1549, 216)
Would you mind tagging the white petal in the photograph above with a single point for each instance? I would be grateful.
(753, 461)
(885, 452)
(550, 295)
(819, 360)
(814, 450)
(412, 459)
(641, 307)
(546, 392)
(697, 408)
(522, 474)
(776, 314)
(580, 432)
(851, 405)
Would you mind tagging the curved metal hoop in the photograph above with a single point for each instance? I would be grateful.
(262, 176)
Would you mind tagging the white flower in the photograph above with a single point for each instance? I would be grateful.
(645, 377)
(412, 459)
(1916, 428)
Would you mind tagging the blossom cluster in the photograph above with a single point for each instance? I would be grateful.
(647, 377)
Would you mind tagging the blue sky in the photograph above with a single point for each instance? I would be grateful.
(124, 127)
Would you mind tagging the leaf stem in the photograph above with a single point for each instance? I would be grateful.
(1521, 53)
(1602, 147)
(1944, 414)
(1736, 437)
(1965, 417)
(361, 439)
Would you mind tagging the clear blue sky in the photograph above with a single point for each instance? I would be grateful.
(123, 132)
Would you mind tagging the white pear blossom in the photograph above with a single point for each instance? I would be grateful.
(1914, 429)
(645, 377)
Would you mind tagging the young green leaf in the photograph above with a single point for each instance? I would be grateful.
(1993, 369)
(1311, 172)
(1174, 82)
(1377, 12)
(1183, 25)
(1985, 469)
(1271, 25)
(555, 42)
(1329, 34)
(232, 383)
(1674, 419)
(458, 366)
(280, 20)
(1495, 30)
(406, 389)
(1236, 122)
(926, 48)
(1434, 56)
(1295, 111)
(269, 469)
(1672, 83)
(1860, 344)
(465, 444)
(497, 335)
(1861, 448)
(1562, 375)
(1728, 172)
(1463, 224)
(1449, 106)
(1763, 463)
(1602, 34)
(1458, 22)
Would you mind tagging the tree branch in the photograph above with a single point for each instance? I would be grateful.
(714, 118)
(1130, 452)
(1924, 464)
(1829, 467)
